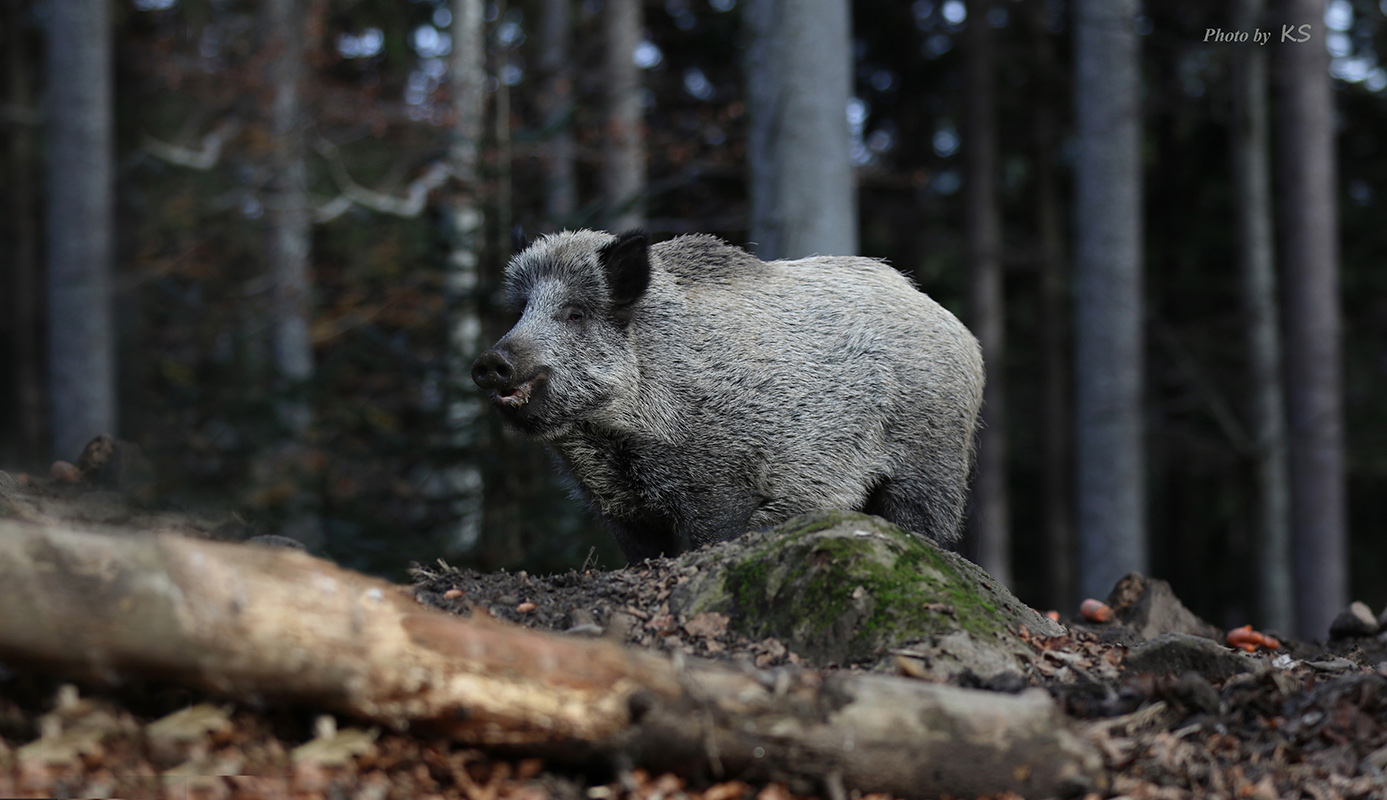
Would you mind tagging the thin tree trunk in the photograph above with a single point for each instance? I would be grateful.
(81, 337)
(1055, 420)
(623, 175)
(1310, 272)
(799, 80)
(983, 230)
(290, 242)
(463, 230)
(1251, 165)
(287, 212)
(25, 298)
(561, 189)
(1108, 356)
(501, 134)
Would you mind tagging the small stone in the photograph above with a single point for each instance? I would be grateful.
(1356, 620)
(621, 625)
(65, 472)
(1174, 654)
(526, 607)
(452, 594)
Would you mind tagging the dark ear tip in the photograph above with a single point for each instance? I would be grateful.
(519, 241)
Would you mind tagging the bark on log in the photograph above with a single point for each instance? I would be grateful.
(262, 622)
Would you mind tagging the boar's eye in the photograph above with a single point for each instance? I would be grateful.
(574, 315)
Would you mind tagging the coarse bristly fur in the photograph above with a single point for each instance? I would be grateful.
(695, 392)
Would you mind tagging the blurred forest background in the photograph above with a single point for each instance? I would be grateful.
(262, 240)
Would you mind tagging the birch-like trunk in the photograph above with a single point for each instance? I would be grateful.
(799, 80)
(288, 215)
(290, 241)
(463, 220)
(78, 225)
(1108, 330)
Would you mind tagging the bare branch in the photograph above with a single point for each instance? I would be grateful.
(202, 159)
(411, 205)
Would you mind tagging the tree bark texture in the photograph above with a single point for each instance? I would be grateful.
(263, 622)
(290, 245)
(799, 80)
(561, 192)
(1307, 169)
(25, 300)
(287, 213)
(983, 230)
(1108, 330)
(79, 220)
(1055, 417)
(462, 222)
(1251, 172)
(623, 173)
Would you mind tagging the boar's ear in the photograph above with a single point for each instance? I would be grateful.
(627, 265)
(519, 241)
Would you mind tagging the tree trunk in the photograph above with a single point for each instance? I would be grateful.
(1251, 164)
(1108, 355)
(983, 231)
(290, 243)
(799, 80)
(1055, 420)
(1310, 273)
(260, 622)
(81, 336)
(462, 221)
(556, 103)
(289, 223)
(623, 175)
(25, 300)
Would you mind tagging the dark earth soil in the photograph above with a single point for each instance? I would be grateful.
(1174, 715)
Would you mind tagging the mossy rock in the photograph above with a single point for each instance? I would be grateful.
(843, 587)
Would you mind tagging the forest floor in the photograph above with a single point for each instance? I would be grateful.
(1173, 716)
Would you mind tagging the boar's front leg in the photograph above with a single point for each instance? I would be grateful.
(646, 536)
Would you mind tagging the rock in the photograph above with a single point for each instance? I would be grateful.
(1356, 620)
(1150, 608)
(839, 587)
(1174, 654)
(955, 657)
(621, 625)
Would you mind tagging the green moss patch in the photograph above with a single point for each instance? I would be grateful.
(843, 587)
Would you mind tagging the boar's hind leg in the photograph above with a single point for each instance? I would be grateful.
(928, 507)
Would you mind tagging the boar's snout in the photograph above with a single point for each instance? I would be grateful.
(495, 372)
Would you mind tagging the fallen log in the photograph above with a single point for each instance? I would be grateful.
(268, 623)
